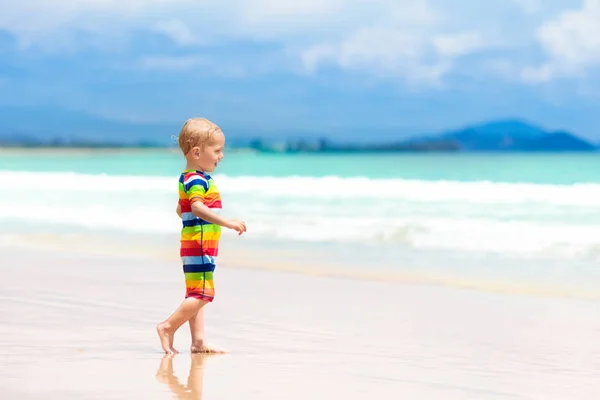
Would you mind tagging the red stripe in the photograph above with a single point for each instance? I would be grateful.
(213, 204)
(185, 206)
(197, 251)
(202, 295)
(192, 173)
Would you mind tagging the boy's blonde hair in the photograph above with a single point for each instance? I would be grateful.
(196, 132)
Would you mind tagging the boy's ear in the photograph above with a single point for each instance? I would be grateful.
(196, 152)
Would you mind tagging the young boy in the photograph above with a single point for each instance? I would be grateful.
(201, 142)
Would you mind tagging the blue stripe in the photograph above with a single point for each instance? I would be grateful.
(189, 260)
(198, 268)
(195, 222)
(188, 216)
(194, 182)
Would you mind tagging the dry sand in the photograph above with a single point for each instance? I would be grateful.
(82, 327)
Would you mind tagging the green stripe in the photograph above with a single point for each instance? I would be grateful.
(210, 228)
(199, 276)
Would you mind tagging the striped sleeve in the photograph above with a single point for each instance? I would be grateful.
(195, 187)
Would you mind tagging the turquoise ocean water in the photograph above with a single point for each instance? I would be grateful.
(533, 217)
(542, 168)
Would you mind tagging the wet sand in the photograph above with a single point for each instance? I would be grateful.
(77, 326)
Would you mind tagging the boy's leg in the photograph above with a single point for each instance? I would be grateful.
(199, 344)
(166, 330)
(197, 330)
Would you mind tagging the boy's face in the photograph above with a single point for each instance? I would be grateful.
(207, 157)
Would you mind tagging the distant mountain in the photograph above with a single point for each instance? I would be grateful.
(510, 135)
(48, 126)
(559, 141)
(494, 135)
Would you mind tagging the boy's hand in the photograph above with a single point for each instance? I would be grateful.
(239, 226)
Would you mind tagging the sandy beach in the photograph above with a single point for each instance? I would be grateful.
(81, 326)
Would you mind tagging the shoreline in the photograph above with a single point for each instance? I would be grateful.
(287, 257)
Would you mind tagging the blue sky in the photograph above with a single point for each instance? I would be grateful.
(377, 68)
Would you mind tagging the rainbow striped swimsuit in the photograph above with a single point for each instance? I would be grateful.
(199, 238)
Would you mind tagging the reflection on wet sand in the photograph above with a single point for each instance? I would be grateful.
(193, 389)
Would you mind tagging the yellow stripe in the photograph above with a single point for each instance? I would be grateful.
(212, 190)
(198, 235)
(207, 284)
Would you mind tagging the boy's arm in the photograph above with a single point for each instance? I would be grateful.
(201, 211)
(178, 210)
(195, 188)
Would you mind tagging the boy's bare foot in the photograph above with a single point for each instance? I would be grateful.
(166, 338)
(206, 348)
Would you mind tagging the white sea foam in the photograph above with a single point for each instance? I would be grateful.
(517, 219)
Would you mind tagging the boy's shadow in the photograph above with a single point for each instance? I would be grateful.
(193, 389)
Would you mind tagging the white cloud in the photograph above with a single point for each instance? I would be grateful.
(383, 50)
(418, 55)
(34, 19)
(409, 40)
(458, 44)
(570, 42)
(390, 36)
(419, 41)
(178, 31)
